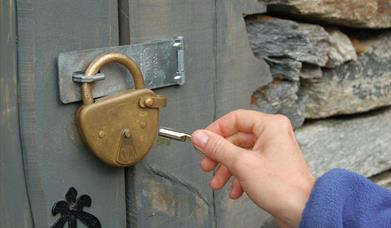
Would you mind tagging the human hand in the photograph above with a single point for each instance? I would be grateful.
(260, 151)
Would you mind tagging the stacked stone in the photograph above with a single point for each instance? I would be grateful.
(350, 13)
(322, 71)
(330, 58)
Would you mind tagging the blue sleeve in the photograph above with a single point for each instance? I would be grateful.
(344, 199)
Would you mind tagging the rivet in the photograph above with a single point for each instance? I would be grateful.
(148, 102)
(127, 133)
(101, 134)
(143, 124)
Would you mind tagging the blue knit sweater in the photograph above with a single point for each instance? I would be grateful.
(344, 199)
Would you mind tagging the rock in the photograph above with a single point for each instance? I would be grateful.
(283, 96)
(291, 70)
(351, 13)
(383, 179)
(357, 86)
(287, 42)
(280, 97)
(361, 144)
(310, 71)
(279, 38)
(284, 68)
(296, 52)
(341, 48)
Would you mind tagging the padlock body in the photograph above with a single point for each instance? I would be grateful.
(117, 129)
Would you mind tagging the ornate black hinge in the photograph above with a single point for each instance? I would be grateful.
(71, 210)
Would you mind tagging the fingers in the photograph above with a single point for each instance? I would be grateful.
(243, 140)
(216, 147)
(236, 190)
(221, 178)
(240, 121)
(222, 174)
(240, 139)
(208, 164)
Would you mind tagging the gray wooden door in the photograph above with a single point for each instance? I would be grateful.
(41, 142)
(168, 189)
(41, 147)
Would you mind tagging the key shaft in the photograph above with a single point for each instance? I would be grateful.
(173, 134)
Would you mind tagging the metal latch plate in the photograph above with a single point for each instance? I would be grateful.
(161, 61)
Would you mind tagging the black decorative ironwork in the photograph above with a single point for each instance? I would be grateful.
(71, 210)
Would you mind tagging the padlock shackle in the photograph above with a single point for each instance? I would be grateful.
(98, 63)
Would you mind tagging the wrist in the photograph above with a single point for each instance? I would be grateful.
(296, 202)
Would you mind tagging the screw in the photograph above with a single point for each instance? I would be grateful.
(178, 78)
(178, 42)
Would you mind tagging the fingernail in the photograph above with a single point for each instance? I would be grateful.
(200, 139)
(213, 183)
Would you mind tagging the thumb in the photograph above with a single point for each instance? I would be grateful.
(215, 147)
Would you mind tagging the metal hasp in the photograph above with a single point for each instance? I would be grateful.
(161, 62)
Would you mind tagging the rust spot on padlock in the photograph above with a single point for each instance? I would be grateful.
(130, 118)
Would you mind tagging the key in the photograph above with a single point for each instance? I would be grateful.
(167, 134)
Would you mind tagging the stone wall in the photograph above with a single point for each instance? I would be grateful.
(331, 68)
(320, 71)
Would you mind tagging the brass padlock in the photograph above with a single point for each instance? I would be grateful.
(119, 129)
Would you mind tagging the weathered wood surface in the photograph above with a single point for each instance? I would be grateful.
(361, 144)
(167, 189)
(239, 74)
(14, 203)
(54, 156)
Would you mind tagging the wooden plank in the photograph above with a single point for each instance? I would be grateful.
(14, 203)
(239, 74)
(167, 188)
(54, 156)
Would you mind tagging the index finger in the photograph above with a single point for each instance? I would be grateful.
(245, 121)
